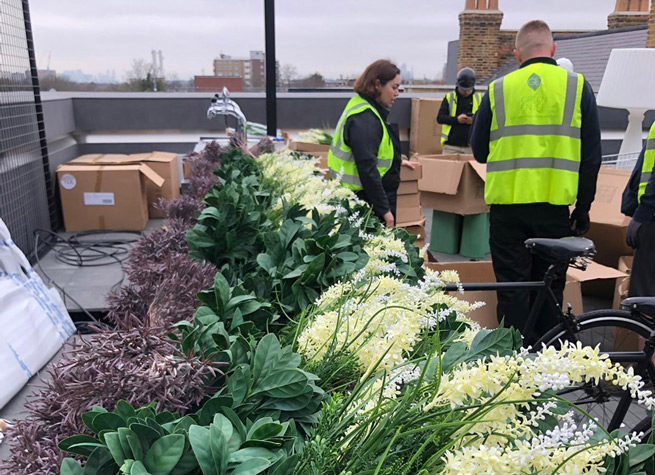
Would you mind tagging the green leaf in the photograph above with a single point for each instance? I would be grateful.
(455, 354)
(221, 291)
(67, 444)
(219, 450)
(267, 431)
(164, 454)
(286, 466)
(188, 464)
(238, 384)
(242, 455)
(499, 341)
(139, 469)
(266, 355)
(266, 263)
(124, 409)
(109, 421)
(88, 417)
(114, 445)
(282, 384)
(100, 462)
(70, 466)
(183, 425)
(125, 445)
(212, 407)
(252, 466)
(200, 443)
(640, 453)
(147, 435)
(224, 425)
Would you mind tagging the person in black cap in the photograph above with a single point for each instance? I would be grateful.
(456, 114)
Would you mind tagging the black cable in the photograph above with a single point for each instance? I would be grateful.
(80, 251)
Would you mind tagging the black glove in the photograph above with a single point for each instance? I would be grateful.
(579, 222)
(632, 235)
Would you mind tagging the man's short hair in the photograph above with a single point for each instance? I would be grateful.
(534, 36)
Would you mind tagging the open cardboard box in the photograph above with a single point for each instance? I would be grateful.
(608, 225)
(407, 174)
(308, 147)
(105, 196)
(482, 271)
(622, 285)
(453, 184)
(425, 131)
(408, 215)
(164, 164)
(408, 188)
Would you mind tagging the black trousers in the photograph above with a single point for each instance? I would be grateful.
(642, 276)
(510, 226)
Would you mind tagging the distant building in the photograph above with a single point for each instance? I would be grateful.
(405, 74)
(251, 70)
(47, 74)
(216, 84)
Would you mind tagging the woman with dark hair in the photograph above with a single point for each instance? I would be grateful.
(365, 151)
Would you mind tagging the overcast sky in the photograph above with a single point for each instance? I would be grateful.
(332, 37)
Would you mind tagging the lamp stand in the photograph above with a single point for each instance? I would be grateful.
(633, 140)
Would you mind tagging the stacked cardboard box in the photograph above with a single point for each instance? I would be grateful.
(608, 224)
(166, 165)
(409, 213)
(105, 192)
(425, 132)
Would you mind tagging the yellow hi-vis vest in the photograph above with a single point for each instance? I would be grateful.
(535, 146)
(452, 106)
(649, 162)
(340, 157)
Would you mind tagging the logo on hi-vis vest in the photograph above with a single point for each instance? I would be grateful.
(534, 82)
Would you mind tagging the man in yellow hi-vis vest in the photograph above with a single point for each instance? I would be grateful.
(639, 202)
(537, 129)
(456, 114)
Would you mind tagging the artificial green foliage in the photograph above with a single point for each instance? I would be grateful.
(212, 441)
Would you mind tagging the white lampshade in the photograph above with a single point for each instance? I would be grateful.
(629, 83)
(629, 80)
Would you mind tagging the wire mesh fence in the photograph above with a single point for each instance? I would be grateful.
(24, 175)
(624, 161)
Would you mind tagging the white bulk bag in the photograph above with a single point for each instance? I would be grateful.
(34, 323)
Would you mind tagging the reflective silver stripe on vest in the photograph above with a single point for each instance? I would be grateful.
(645, 177)
(444, 136)
(563, 130)
(347, 179)
(650, 145)
(516, 130)
(349, 157)
(527, 163)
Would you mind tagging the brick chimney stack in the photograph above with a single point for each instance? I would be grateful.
(479, 36)
(628, 13)
(651, 26)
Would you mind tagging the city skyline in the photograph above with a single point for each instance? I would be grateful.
(90, 37)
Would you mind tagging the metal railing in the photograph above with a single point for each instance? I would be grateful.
(625, 161)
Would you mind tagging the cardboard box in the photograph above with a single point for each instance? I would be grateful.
(608, 225)
(166, 166)
(187, 170)
(308, 147)
(407, 174)
(425, 131)
(408, 215)
(105, 197)
(622, 285)
(409, 201)
(453, 184)
(408, 188)
(482, 271)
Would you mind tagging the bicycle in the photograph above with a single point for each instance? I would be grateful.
(625, 336)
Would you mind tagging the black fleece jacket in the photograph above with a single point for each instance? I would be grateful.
(590, 139)
(363, 134)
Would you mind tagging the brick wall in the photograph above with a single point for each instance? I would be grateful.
(651, 26)
(626, 19)
(479, 41)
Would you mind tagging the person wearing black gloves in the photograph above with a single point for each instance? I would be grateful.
(457, 112)
(639, 203)
(365, 152)
(537, 130)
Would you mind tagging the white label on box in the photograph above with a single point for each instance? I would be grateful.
(102, 199)
(68, 181)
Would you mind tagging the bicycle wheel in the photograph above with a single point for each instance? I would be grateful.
(645, 427)
(612, 331)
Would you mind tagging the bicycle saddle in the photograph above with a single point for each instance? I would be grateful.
(644, 305)
(561, 250)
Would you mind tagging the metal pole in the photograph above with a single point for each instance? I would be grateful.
(271, 70)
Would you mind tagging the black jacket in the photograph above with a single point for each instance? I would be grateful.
(459, 135)
(643, 212)
(590, 138)
(363, 134)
